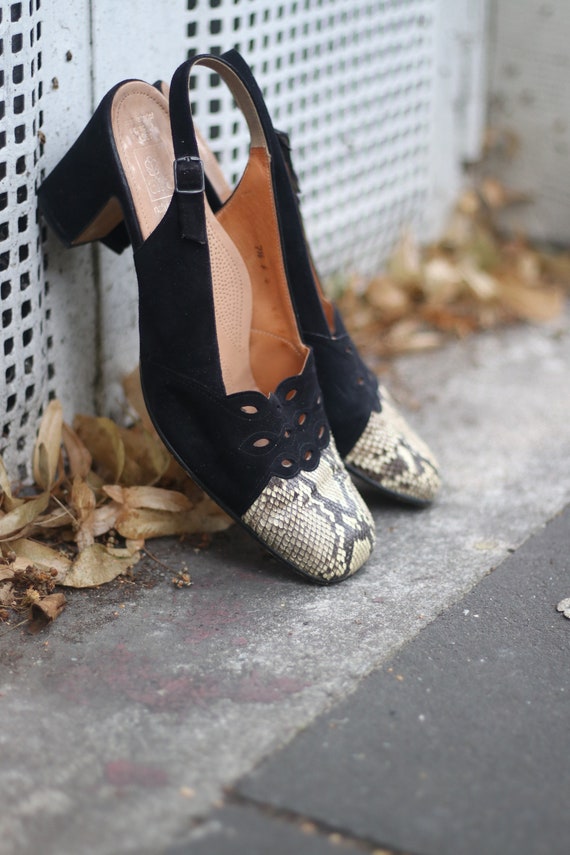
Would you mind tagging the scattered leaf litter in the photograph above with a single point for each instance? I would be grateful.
(103, 491)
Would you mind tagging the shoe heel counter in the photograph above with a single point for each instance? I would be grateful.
(81, 198)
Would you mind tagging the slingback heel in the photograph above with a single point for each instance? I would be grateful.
(79, 198)
(372, 437)
(229, 384)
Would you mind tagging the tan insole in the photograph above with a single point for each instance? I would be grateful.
(223, 191)
(142, 129)
(213, 169)
(249, 217)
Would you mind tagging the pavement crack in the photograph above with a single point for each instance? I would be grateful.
(336, 835)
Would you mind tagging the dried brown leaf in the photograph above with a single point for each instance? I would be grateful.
(146, 458)
(115, 492)
(459, 230)
(498, 196)
(556, 267)
(83, 505)
(9, 502)
(143, 523)
(23, 515)
(105, 518)
(484, 286)
(98, 564)
(7, 595)
(450, 319)
(409, 335)
(483, 251)
(528, 267)
(494, 193)
(155, 498)
(442, 280)
(468, 203)
(45, 610)
(42, 556)
(47, 449)
(532, 304)
(135, 397)
(59, 518)
(102, 439)
(404, 264)
(82, 497)
(77, 454)
(388, 298)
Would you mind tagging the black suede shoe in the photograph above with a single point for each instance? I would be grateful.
(373, 438)
(229, 384)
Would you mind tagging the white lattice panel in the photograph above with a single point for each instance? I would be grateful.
(26, 365)
(354, 82)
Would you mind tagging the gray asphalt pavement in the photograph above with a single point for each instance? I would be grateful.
(254, 712)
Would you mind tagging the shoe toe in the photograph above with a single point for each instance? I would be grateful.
(317, 522)
(390, 455)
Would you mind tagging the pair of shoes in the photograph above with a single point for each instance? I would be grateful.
(372, 437)
(229, 382)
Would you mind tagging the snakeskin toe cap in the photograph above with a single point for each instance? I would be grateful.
(391, 456)
(317, 521)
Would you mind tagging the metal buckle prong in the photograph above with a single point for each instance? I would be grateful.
(198, 173)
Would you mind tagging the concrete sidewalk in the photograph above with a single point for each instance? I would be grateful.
(121, 728)
(456, 745)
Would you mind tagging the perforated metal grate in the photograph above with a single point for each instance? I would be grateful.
(25, 365)
(352, 82)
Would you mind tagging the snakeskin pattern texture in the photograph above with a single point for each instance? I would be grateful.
(391, 455)
(317, 521)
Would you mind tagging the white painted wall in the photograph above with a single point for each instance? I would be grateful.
(459, 102)
(529, 86)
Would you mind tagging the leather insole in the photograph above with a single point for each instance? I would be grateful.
(142, 131)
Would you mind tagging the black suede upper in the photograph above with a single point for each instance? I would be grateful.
(208, 431)
(350, 389)
(177, 323)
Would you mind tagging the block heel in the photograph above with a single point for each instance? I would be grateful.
(81, 199)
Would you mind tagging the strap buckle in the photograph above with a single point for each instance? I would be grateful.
(189, 175)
